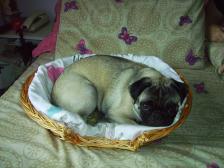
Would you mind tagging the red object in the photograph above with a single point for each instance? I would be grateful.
(16, 23)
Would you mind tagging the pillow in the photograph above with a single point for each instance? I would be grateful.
(172, 30)
(216, 56)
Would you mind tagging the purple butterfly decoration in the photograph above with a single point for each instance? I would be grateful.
(81, 47)
(70, 5)
(191, 58)
(200, 87)
(184, 20)
(126, 37)
(213, 165)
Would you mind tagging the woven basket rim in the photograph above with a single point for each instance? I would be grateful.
(67, 134)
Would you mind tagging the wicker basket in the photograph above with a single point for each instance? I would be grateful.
(66, 134)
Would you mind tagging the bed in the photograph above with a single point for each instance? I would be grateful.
(197, 143)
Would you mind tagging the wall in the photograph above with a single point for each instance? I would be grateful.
(27, 7)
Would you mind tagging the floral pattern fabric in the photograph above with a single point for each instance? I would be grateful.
(167, 29)
(197, 143)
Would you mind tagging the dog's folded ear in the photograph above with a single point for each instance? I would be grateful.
(181, 88)
(138, 86)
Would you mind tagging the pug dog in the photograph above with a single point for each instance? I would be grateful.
(126, 92)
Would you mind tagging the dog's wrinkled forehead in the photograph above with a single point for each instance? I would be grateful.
(161, 89)
(160, 94)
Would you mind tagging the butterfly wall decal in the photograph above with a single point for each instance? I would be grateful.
(213, 165)
(126, 37)
(70, 5)
(190, 58)
(184, 20)
(81, 47)
(200, 87)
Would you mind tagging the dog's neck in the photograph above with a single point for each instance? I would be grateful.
(121, 90)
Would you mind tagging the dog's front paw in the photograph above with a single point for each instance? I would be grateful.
(123, 120)
(94, 118)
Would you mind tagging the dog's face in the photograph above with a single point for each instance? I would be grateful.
(157, 102)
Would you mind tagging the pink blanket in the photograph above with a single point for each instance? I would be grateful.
(49, 42)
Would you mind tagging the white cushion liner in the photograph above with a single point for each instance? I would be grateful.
(40, 96)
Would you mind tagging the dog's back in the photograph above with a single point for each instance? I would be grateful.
(84, 85)
(100, 69)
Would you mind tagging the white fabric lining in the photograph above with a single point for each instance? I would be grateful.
(40, 92)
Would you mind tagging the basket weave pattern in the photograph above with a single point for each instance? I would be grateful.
(67, 134)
